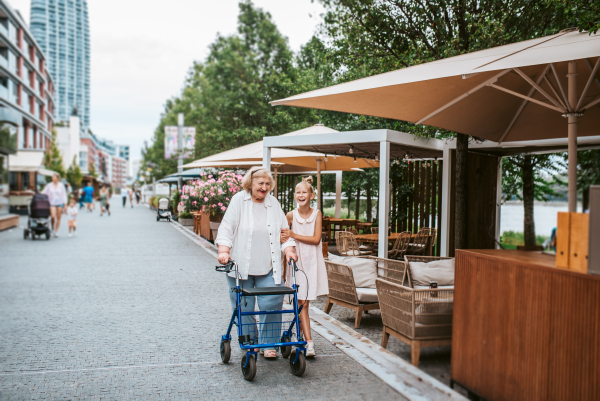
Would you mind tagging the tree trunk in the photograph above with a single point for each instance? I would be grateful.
(357, 205)
(528, 198)
(369, 206)
(461, 188)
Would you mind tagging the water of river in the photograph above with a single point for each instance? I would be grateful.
(544, 215)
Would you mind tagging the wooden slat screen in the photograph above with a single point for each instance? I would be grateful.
(422, 206)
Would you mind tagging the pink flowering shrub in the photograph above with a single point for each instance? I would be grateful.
(212, 193)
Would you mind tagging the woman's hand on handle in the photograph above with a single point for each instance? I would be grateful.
(290, 254)
(223, 258)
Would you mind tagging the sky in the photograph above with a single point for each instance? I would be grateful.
(141, 51)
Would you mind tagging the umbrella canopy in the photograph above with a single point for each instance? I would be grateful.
(522, 91)
(289, 160)
(226, 164)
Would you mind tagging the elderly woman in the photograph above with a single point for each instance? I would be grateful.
(249, 234)
(57, 195)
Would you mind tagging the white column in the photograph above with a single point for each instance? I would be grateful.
(319, 206)
(445, 223)
(338, 194)
(384, 198)
(498, 201)
(266, 162)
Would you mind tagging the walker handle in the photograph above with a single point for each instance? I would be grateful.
(225, 268)
(292, 261)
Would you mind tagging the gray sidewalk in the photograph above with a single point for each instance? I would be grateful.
(131, 309)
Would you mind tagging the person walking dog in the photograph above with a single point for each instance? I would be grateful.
(250, 234)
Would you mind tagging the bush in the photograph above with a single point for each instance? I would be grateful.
(185, 215)
(517, 238)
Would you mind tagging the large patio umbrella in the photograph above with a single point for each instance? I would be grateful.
(287, 160)
(523, 91)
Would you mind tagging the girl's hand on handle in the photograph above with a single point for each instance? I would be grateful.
(223, 258)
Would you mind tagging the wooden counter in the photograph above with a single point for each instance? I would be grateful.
(523, 329)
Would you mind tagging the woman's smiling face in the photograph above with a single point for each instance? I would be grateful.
(303, 194)
(261, 186)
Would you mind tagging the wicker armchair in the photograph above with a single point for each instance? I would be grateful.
(347, 246)
(343, 291)
(417, 317)
(400, 246)
(419, 246)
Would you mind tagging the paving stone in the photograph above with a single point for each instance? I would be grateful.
(131, 309)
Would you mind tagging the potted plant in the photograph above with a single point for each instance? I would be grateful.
(186, 218)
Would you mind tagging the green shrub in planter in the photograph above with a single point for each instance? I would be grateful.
(185, 215)
(186, 219)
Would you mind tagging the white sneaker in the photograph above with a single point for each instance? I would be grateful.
(55, 235)
(69, 235)
(310, 349)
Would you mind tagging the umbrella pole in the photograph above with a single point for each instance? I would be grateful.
(319, 184)
(572, 132)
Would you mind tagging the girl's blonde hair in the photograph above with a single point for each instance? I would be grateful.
(256, 172)
(308, 182)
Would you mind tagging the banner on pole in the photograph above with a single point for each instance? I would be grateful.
(189, 140)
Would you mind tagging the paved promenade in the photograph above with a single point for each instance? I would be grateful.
(132, 309)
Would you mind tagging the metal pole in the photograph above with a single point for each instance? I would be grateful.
(572, 130)
(338, 194)
(319, 184)
(153, 186)
(384, 198)
(180, 142)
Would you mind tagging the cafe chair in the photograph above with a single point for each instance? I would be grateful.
(400, 246)
(419, 246)
(347, 246)
(352, 282)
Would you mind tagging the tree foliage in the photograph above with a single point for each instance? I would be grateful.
(74, 175)
(53, 158)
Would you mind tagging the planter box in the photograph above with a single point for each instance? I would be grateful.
(186, 222)
(205, 231)
(214, 227)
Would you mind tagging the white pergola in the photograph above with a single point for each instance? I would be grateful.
(383, 146)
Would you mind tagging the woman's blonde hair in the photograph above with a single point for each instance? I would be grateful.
(256, 172)
(308, 182)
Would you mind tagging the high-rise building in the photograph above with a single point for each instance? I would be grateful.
(62, 31)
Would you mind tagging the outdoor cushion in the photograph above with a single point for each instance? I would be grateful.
(426, 287)
(441, 271)
(364, 270)
(367, 295)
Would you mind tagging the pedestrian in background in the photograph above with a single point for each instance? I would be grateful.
(124, 195)
(130, 191)
(306, 230)
(103, 198)
(250, 229)
(89, 196)
(72, 217)
(57, 195)
(138, 195)
(81, 197)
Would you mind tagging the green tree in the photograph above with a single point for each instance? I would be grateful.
(588, 172)
(74, 175)
(92, 171)
(371, 36)
(53, 158)
(530, 178)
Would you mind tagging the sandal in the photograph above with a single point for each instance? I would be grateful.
(270, 353)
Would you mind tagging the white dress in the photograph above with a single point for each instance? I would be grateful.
(310, 260)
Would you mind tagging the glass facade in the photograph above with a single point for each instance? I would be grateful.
(62, 31)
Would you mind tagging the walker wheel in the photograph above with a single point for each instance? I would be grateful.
(47, 235)
(249, 371)
(25, 234)
(299, 367)
(225, 350)
(286, 350)
(157, 218)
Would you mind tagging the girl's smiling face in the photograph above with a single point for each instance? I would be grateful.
(303, 194)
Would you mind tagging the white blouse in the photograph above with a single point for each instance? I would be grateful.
(237, 228)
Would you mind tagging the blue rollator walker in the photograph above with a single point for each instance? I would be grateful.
(274, 333)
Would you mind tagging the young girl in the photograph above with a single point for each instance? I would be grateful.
(72, 213)
(306, 228)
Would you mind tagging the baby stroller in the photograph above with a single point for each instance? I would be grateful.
(39, 221)
(163, 210)
(276, 333)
